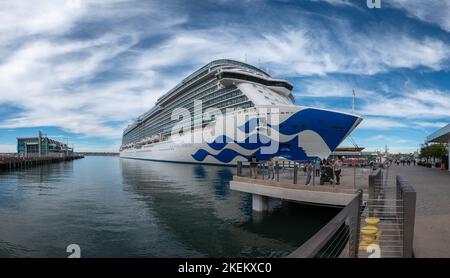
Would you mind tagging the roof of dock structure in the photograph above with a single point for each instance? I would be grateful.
(440, 136)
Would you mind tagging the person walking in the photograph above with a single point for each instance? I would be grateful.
(317, 165)
(414, 162)
(253, 166)
(270, 167)
(309, 172)
(337, 167)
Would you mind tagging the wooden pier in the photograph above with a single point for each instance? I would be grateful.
(12, 163)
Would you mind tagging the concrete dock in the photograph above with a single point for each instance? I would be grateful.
(432, 226)
(317, 195)
(363, 194)
(289, 184)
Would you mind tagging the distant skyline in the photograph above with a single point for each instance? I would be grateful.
(86, 69)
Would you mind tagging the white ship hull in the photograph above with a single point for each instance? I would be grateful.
(314, 138)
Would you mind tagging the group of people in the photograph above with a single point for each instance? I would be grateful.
(311, 168)
(333, 166)
(404, 162)
(254, 165)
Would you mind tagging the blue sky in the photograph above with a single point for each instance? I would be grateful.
(85, 69)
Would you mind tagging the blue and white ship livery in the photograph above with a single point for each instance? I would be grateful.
(298, 133)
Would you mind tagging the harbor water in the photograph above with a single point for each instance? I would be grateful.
(114, 207)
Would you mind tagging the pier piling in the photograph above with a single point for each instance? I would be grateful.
(15, 162)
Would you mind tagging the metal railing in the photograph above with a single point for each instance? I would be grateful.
(406, 195)
(389, 211)
(339, 238)
(286, 171)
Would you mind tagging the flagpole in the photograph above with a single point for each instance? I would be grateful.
(353, 101)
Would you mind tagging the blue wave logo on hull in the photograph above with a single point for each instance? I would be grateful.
(332, 127)
(252, 142)
(225, 156)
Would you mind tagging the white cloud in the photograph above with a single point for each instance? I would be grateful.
(36, 78)
(413, 104)
(433, 11)
(380, 123)
(24, 18)
(331, 87)
(302, 52)
(436, 125)
(337, 2)
(49, 75)
(294, 51)
(436, 12)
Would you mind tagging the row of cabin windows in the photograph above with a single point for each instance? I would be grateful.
(134, 136)
(168, 130)
(188, 96)
(150, 129)
(192, 97)
(226, 104)
(213, 102)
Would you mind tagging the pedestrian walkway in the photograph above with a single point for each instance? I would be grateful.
(432, 226)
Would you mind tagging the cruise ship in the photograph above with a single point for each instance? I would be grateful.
(229, 111)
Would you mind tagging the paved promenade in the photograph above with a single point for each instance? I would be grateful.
(432, 228)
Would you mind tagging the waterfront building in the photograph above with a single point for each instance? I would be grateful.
(42, 145)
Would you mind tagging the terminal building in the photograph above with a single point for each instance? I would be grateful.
(441, 136)
(42, 146)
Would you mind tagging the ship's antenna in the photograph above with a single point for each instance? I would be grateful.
(353, 101)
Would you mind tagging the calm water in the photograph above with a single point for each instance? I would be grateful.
(129, 208)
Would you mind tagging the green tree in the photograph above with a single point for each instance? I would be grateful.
(434, 150)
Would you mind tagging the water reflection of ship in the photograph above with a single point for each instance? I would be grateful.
(195, 206)
(193, 203)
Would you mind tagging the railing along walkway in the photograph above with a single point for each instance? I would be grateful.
(287, 183)
(390, 210)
